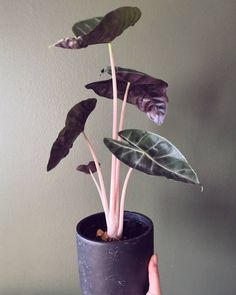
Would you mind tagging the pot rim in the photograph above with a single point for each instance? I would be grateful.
(149, 223)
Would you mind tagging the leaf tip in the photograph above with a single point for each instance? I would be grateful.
(52, 163)
(49, 167)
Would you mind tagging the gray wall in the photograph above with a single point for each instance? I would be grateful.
(190, 44)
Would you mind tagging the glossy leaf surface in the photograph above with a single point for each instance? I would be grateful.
(101, 29)
(84, 27)
(87, 168)
(74, 125)
(138, 78)
(151, 154)
(146, 92)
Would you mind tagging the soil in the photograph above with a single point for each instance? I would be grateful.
(132, 229)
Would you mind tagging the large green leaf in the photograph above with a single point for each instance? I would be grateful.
(99, 30)
(151, 154)
(74, 125)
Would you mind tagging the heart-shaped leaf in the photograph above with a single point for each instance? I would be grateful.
(87, 168)
(101, 29)
(74, 125)
(146, 92)
(151, 154)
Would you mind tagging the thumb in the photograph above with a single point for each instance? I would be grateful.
(154, 278)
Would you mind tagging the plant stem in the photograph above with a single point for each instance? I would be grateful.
(114, 88)
(122, 203)
(124, 103)
(97, 185)
(121, 124)
(100, 177)
(112, 230)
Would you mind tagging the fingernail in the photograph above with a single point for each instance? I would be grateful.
(155, 259)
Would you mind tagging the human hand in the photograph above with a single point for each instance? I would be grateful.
(154, 277)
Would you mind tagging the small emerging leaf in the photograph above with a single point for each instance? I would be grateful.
(99, 30)
(87, 168)
(152, 154)
(74, 125)
(146, 92)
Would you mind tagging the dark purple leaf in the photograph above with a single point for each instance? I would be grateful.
(74, 125)
(136, 77)
(87, 168)
(99, 30)
(146, 92)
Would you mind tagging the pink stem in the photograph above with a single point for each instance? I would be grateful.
(122, 203)
(124, 103)
(100, 177)
(121, 124)
(114, 136)
(97, 185)
(114, 88)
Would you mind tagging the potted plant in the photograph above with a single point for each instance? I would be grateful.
(114, 247)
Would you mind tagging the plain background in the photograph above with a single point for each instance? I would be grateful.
(190, 44)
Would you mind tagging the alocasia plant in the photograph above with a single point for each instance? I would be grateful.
(145, 151)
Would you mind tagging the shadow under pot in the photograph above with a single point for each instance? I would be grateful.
(117, 267)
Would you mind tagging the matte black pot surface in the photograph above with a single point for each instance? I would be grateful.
(117, 267)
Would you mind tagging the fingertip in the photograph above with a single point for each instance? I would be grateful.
(154, 279)
(155, 259)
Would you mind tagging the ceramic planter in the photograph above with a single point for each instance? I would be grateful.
(117, 267)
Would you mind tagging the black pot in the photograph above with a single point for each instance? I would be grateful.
(117, 267)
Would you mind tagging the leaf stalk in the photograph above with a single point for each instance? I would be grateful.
(112, 228)
(121, 125)
(100, 177)
(122, 203)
